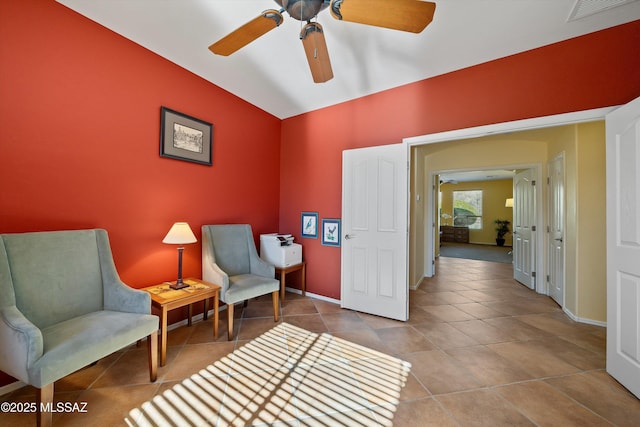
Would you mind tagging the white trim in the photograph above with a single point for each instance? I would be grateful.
(583, 320)
(514, 126)
(314, 296)
(6, 389)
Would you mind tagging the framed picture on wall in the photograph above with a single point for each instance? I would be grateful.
(185, 138)
(330, 232)
(309, 225)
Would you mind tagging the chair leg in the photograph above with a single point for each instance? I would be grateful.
(45, 401)
(230, 322)
(276, 306)
(152, 349)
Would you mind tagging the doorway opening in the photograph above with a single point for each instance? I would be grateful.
(468, 205)
(516, 145)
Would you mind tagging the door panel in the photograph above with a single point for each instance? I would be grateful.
(623, 245)
(524, 221)
(374, 218)
(555, 243)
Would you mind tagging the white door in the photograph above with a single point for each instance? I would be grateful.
(555, 235)
(374, 222)
(623, 245)
(524, 223)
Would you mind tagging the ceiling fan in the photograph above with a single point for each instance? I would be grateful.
(404, 15)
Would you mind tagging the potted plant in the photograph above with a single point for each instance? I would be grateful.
(502, 228)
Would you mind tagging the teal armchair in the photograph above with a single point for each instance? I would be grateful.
(230, 259)
(63, 307)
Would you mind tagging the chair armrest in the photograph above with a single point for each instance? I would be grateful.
(211, 272)
(120, 297)
(22, 343)
(262, 268)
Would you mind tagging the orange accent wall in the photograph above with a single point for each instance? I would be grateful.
(79, 147)
(79, 143)
(596, 70)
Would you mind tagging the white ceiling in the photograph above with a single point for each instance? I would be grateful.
(272, 72)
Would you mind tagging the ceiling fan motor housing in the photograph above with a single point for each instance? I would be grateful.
(303, 10)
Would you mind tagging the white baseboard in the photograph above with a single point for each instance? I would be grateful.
(584, 320)
(6, 389)
(314, 296)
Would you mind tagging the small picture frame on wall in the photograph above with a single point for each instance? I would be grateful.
(185, 138)
(330, 232)
(309, 225)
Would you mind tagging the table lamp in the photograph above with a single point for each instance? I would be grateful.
(508, 203)
(179, 234)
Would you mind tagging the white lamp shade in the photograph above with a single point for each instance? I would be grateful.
(180, 234)
(508, 203)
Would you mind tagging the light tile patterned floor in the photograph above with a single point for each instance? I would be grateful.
(483, 350)
(286, 375)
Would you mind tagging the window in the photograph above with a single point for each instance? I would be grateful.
(467, 209)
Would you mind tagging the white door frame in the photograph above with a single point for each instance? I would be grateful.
(498, 128)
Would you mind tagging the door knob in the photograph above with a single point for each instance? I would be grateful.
(558, 240)
(349, 236)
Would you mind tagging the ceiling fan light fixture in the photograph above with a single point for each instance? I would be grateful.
(403, 15)
(303, 10)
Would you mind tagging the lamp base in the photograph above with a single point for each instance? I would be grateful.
(178, 284)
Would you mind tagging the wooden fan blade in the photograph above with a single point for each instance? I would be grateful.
(267, 21)
(315, 47)
(404, 15)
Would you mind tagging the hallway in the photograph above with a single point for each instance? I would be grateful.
(505, 355)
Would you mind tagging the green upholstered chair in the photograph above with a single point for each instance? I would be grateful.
(230, 259)
(63, 307)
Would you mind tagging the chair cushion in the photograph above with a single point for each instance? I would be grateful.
(231, 248)
(246, 286)
(56, 275)
(82, 340)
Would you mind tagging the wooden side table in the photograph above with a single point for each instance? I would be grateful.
(164, 299)
(282, 271)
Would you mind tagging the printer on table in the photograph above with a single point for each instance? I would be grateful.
(279, 250)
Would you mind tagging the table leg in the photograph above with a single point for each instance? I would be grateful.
(163, 336)
(304, 280)
(215, 316)
(205, 313)
(190, 314)
(283, 276)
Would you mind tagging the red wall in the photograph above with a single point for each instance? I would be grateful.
(80, 120)
(596, 70)
(79, 143)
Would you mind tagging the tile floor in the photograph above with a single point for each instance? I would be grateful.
(483, 349)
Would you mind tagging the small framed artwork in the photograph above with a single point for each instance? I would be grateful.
(309, 224)
(330, 232)
(185, 138)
